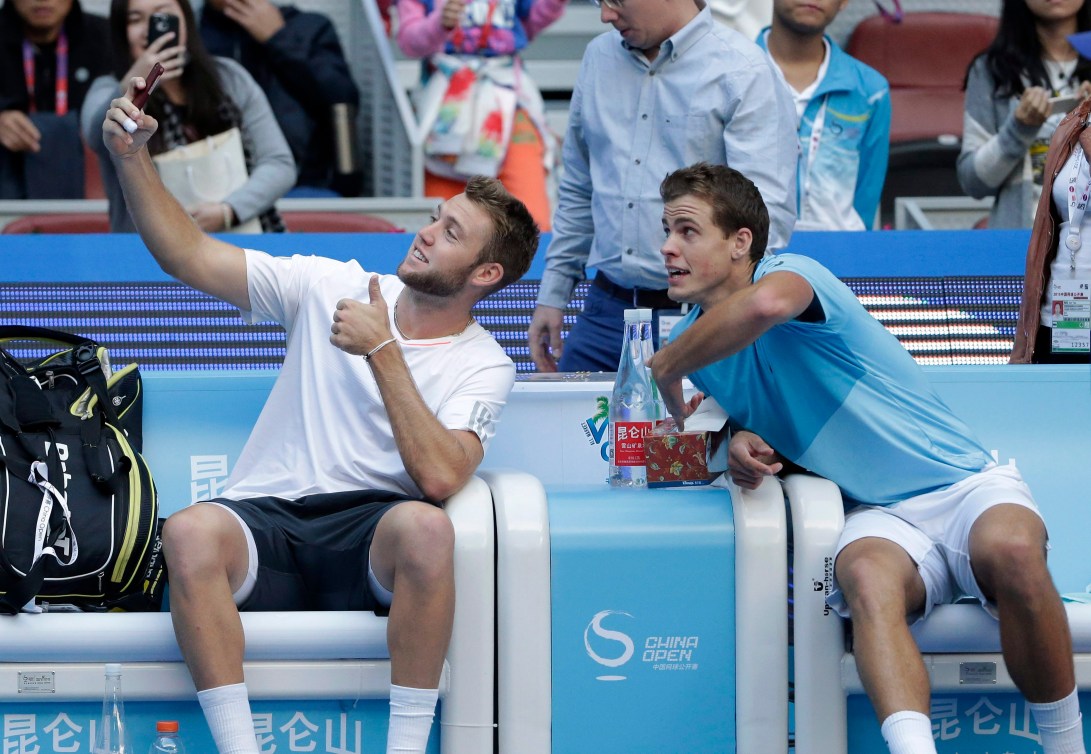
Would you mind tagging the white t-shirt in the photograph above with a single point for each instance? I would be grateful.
(747, 17)
(324, 427)
(801, 98)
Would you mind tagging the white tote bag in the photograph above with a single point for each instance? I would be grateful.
(207, 171)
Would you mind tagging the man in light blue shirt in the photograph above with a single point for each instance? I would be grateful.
(809, 378)
(666, 88)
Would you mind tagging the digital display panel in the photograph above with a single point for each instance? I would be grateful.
(169, 326)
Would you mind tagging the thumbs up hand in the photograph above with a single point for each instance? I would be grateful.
(359, 327)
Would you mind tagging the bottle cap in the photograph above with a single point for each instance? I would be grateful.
(166, 726)
(113, 668)
(638, 315)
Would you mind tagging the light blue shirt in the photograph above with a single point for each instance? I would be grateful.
(842, 398)
(710, 94)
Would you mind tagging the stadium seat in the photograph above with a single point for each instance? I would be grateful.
(337, 222)
(924, 57)
(75, 222)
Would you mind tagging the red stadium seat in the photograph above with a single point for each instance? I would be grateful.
(75, 222)
(337, 222)
(924, 58)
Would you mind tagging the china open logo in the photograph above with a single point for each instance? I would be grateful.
(613, 637)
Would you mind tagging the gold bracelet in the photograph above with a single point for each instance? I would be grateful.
(227, 214)
(376, 349)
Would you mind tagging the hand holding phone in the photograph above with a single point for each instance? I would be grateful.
(150, 82)
(160, 24)
(1062, 104)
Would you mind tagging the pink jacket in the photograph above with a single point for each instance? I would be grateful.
(421, 34)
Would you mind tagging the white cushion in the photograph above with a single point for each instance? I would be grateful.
(967, 628)
(149, 637)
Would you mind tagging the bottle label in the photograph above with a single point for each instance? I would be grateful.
(629, 442)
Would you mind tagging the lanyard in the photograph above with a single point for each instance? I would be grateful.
(61, 96)
(1077, 206)
(812, 148)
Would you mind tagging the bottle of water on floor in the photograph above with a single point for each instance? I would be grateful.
(112, 735)
(167, 740)
(634, 405)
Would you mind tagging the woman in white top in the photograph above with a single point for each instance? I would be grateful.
(1058, 267)
(1017, 91)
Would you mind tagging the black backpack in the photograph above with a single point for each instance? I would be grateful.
(79, 515)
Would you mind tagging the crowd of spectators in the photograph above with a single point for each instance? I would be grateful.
(50, 52)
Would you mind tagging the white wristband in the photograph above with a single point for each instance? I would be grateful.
(376, 349)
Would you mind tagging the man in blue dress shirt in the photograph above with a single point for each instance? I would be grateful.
(666, 88)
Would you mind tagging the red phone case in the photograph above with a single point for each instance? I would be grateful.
(151, 81)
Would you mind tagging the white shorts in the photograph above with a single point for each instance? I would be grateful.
(934, 529)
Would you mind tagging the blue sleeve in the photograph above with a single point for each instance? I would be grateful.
(874, 154)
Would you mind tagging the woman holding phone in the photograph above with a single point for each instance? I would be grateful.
(197, 96)
(1017, 91)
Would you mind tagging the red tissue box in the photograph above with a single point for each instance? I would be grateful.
(677, 459)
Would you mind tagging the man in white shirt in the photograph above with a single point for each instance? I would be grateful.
(744, 16)
(387, 399)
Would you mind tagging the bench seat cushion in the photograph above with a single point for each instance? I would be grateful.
(149, 637)
(965, 628)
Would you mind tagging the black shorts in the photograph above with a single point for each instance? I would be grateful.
(313, 552)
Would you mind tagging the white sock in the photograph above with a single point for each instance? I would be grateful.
(411, 713)
(227, 711)
(908, 732)
(1060, 725)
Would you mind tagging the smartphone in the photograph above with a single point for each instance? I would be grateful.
(150, 82)
(1062, 104)
(161, 23)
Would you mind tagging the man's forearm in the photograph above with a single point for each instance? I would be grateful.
(436, 461)
(165, 227)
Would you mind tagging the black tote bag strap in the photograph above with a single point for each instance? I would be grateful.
(97, 458)
(24, 590)
(90, 367)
